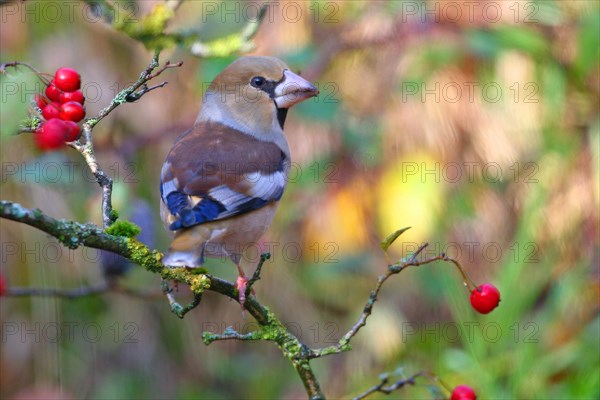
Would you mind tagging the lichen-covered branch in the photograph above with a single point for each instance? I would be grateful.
(130, 93)
(177, 308)
(230, 334)
(73, 235)
(149, 29)
(234, 43)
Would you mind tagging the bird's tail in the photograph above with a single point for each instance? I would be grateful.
(186, 249)
(190, 259)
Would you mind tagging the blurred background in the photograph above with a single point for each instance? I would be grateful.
(474, 122)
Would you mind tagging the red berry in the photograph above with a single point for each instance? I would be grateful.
(2, 286)
(67, 79)
(485, 298)
(72, 111)
(50, 135)
(52, 110)
(72, 132)
(463, 392)
(52, 91)
(41, 100)
(53, 133)
(77, 96)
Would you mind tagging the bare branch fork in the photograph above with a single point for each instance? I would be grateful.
(384, 386)
(385, 380)
(86, 148)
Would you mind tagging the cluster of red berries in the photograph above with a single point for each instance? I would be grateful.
(62, 107)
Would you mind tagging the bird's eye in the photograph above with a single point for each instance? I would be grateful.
(257, 81)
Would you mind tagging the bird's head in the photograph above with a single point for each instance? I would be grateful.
(253, 95)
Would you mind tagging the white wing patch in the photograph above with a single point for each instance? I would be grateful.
(228, 197)
(266, 187)
(169, 187)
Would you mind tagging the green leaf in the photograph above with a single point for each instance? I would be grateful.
(489, 43)
(555, 89)
(387, 242)
(589, 45)
(523, 39)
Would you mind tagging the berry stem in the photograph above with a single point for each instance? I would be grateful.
(436, 379)
(466, 278)
(15, 64)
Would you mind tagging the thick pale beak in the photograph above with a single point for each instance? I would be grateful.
(292, 90)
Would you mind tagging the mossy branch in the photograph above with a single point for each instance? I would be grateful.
(73, 235)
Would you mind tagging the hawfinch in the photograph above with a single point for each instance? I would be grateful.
(223, 178)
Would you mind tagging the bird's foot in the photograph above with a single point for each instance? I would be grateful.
(241, 284)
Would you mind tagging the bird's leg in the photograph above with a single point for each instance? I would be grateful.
(241, 283)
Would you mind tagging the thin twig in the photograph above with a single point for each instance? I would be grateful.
(177, 308)
(122, 96)
(80, 292)
(163, 68)
(382, 388)
(256, 276)
(15, 64)
(344, 343)
(145, 89)
(62, 293)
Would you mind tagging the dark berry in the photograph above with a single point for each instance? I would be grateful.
(77, 96)
(72, 132)
(72, 111)
(52, 110)
(52, 91)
